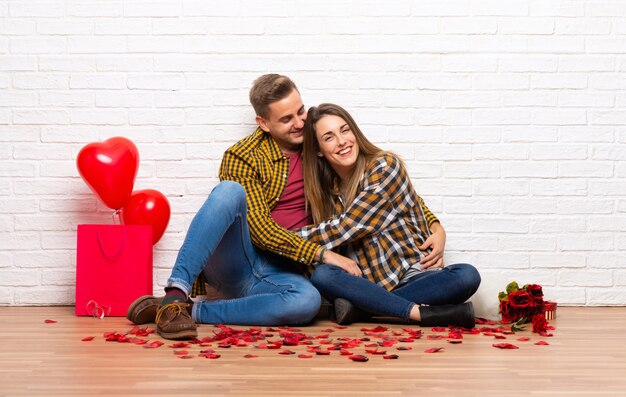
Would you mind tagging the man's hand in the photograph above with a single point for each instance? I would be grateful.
(347, 264)
(436, 242)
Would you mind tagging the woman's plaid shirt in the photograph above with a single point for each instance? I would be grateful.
(385, 224)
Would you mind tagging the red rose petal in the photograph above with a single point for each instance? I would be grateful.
(454, 341)
(211, 356)
(185, 357)
(88, 338)
(433, 350)
(250, 356)
(391, 357)
(504, 346)
(286, 352)
(499, 336)
(358, 358)
(435, 337)
(404, 348)
(305, 356)
(523, 339)
(322, 352)
(154, 345)
(50, 321)
(181, 352)
(179, 345)
(344, 352)
(542, 343)
(341, 326)
(439, 329)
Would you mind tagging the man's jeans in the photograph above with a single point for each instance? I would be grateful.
(452, 284)
(262, 289)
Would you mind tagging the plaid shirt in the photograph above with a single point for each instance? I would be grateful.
(384, 226)
(257, 163)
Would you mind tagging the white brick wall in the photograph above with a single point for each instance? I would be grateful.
(511, 116)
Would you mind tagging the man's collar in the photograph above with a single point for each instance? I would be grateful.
(272, 146)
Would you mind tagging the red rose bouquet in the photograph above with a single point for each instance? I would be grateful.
(521, 304)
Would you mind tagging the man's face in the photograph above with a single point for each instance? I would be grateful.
(285, 122)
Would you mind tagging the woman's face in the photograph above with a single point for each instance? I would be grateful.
(337, 144)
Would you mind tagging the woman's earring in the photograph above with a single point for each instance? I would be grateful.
(319, 154)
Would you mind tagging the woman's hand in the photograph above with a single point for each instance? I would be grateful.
(347, 264)
(436, 242)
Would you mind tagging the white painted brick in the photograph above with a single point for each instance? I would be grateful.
(18, 206)
(68, 134)
(583, 26)
(67, 205)
(65, 63)
(556, 45)
(559, 117)
(219, 8)
(18, 63)
(471, 99)
(433, 8)
(555, 81)
(612, 188)
(500, 187)
(500, 152)
(586, 134)
(469, 63)
(423, 169)
(19, 134)
(20, 278)
(558, 8)
(154, 44)
(135, 134)
(20, 241)
(95, 9)
(607, 81)
(18, 99)
(184, 135)
(179, 63)
(166, 26)
(17, 169)
(40, 9)
(393, 25)
(183, 99)
(98, 81)
(441, 117)
(58, 277)
(17, 27)
(565, 187)
(558, 152)
(500, 8)
(529, 134)
(38, 45)
(155, 81)
(586, 99)
(619, 277)
(58, 169)
(585, 242)
(67, 99)
(585, 169)
(40, 81)
(472, 135)
(44, 295)
(132, 63)
(41, 151)
(608, 152)
(96, 44)
(472, 206)
(607, 223)
(162, 152)
(530, 206)
(530, 98)
(501, 116)
(185, 169)
(557, 261)
(606, 9)
(566, 296)
(610, 260)
(156, 117)
(608, 117)
(444, 152)
(427, 188)
(122, 99)
(499, 44)
(478, 244)
(605, 45)
(6, 296)
(578, 278)
(30, 187)
(529, 26)
(496, 260)
(586, 63)
(152, 9)
(500, 81)
(42, 117)
(99, 117)
(65, 27)
(471, 170)
(606, 296)
(528, 63)
(526, 243)
(585, 206)
(500, 225)
(472, 25)
(5, 187)
(443, 82)
(124, 26)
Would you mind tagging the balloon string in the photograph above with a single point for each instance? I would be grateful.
(117, 213)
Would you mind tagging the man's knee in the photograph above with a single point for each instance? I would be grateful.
(323, 275)
(225, 196)
(470, 277)
(302, 304)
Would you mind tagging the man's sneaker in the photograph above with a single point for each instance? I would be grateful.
(174, 322)
(144, 309)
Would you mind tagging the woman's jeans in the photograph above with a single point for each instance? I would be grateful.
(450, 285)
(262, 289)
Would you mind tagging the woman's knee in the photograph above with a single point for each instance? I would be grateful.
(301, 305)
(324, 275)
(469, 277)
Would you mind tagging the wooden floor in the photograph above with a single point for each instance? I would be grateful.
(585, 357)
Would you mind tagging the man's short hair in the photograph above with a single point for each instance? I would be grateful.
(267, 89)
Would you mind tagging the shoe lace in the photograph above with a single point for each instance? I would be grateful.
(175, 308)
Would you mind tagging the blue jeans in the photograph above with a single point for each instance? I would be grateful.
(262, 289)
(452, 284)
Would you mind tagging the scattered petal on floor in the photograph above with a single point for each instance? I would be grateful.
(433, 350)
(542, 343)
(391, 357)
(50, 321)
(358, 357)
(88, 338)
(504, 346)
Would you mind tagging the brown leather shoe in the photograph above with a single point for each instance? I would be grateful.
(144, 309)
(174, 322)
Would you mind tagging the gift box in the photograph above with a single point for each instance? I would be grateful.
(550, 309)
(113, 268)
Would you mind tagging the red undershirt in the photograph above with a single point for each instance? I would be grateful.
(290, 211)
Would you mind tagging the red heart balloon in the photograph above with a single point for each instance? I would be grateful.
(109, 169)
(148, 207)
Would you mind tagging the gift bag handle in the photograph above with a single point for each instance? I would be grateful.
(120, 247)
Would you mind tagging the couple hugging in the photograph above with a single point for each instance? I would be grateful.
(307, 205)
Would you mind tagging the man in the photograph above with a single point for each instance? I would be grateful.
(239, 240)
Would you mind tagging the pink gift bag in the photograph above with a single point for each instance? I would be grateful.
(113, 268)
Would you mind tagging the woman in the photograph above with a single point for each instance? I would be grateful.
(365, 207)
